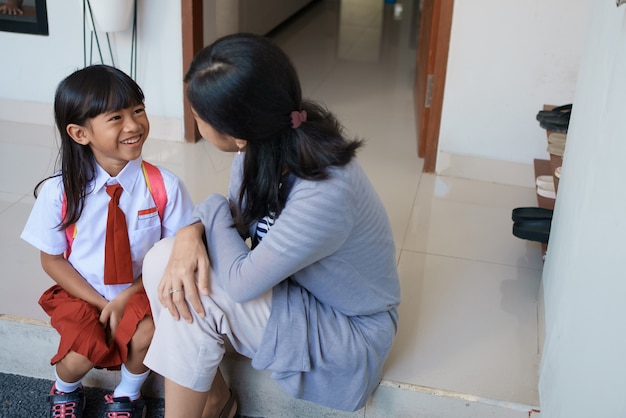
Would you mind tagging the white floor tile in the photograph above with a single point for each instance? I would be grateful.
(470, 220)
(468, 327)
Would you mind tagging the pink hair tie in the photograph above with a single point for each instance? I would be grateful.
(297, 118)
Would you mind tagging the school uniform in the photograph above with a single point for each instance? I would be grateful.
(76, 321)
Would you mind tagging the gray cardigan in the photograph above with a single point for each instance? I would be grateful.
(330, 260)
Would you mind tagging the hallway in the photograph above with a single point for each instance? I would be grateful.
(470, 321)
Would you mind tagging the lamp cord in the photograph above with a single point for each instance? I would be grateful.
(87, 12)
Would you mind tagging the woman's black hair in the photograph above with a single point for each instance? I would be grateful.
(246, 87)
(81, 96)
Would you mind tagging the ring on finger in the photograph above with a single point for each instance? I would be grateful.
(171, 291)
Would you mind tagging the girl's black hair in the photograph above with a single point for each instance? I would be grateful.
(245, 86)
(81, 96)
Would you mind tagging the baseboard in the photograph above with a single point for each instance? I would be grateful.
(168, 129)
(485, 169)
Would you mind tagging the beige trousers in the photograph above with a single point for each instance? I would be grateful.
(189, 354)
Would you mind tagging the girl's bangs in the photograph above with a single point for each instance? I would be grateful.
(112, 95)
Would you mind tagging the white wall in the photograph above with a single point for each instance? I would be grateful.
(39, 63)
(506, 60)
(584, 360)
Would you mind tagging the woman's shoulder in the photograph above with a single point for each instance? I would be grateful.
(346, 176)
(340, 185)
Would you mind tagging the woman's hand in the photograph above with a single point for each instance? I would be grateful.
(187, 271)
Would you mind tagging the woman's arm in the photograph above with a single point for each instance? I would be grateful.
(66, 276)
(314, 224)
(187, 271)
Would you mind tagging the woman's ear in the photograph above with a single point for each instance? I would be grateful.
(241, 144)
(77, 133)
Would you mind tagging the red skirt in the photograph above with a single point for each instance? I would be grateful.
(78, 324)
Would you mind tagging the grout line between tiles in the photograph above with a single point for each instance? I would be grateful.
(470, 259)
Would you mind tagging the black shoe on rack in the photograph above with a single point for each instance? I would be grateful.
(556, 120)
(533, 230)
(531, 214)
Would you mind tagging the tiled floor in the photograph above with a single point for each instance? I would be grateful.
(469, 316)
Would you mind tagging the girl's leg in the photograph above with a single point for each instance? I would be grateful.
(138, 346)
(134, 372)
(73, 367)
(67, 397)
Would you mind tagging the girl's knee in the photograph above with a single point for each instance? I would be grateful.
(76, 361)
(143, 335)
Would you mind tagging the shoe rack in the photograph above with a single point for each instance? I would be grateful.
(547, 168)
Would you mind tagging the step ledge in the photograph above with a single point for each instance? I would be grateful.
(458, 395)
(237, 370)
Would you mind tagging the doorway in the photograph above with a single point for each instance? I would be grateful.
(430, 73)
(430, 76)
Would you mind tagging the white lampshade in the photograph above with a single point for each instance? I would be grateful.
(112, 15)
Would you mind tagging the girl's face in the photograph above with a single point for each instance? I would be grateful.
(221, 141)
(114, 137)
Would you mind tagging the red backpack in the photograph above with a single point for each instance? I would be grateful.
(156, 186)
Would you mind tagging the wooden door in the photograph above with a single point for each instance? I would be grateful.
(193, 38)
(430, 75)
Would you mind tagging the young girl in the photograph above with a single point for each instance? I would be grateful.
(315, 299)
(98, 305)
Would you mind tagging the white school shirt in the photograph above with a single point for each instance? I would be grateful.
(144, 226)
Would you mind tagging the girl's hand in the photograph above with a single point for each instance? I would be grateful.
(111, 316)
(187, 271)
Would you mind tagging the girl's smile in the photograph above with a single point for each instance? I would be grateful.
(115, 137)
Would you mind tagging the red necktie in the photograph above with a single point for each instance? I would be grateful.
(118, 265)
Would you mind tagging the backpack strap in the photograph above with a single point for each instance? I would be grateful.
(156, 186)
(70, 231)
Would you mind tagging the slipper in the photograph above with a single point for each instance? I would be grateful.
(531, 214)
(556, 149)
(547, 190)
(566, 108)
(555, 124)
(544, 181)
(556, 143)
(555, 120)
(229, 405)
(557, 138)
(534, 230)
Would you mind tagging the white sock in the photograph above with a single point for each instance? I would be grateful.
(63, 386)
(130, 384)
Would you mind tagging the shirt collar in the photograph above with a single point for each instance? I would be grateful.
(126, 178)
